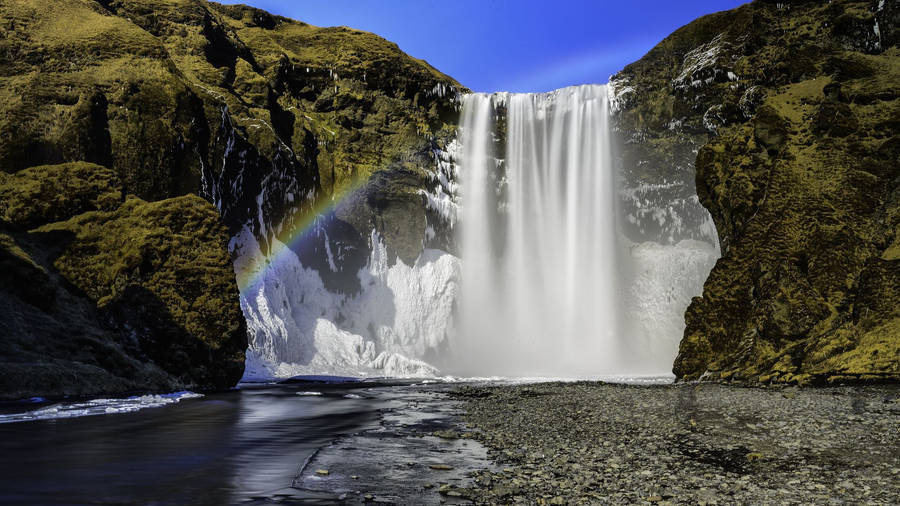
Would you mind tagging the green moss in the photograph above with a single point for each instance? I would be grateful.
(873, 352)
(173, 248)
(140, 86)
(799, 174)
(56, 192)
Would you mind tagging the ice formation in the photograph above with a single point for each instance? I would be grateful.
(297, 326)
(547, 285)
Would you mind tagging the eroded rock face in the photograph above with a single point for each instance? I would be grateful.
(114, 113)
(268, 118)
(791, 109)
(106, 296)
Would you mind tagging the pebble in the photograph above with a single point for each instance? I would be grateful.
(591, 442)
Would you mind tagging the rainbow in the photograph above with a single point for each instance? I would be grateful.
(251, 273)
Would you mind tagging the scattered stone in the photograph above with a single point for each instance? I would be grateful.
(593, 443)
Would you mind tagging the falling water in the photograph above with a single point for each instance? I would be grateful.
(547, 283)
(540, 289)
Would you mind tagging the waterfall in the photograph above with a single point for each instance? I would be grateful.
(549, 284)
(545, 282)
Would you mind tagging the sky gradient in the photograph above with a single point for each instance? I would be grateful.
(510, 45)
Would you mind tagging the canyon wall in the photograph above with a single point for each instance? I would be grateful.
(790, 111)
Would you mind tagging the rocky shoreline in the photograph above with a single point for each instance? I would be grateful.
(598, 443)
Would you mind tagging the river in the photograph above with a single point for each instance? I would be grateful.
(258, 444)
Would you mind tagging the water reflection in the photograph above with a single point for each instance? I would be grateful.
(224, 448)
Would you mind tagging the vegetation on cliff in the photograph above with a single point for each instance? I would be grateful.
(113, 112)
(112, 296)
(792, 110)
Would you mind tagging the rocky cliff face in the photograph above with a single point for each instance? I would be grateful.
(105, 295)
(790, 110)
(116, 115)
(144, 145)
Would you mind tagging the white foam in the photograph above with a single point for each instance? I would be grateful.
(545, 300)
(98, 407)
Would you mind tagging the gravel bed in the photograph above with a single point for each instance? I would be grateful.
(597, 443)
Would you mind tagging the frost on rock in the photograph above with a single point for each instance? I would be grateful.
(443, 196)
(706, 64)
(664, 213)
(620, 94)
(296, 326)
(445, 90)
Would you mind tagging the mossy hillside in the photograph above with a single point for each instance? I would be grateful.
(810, 218)
(160, 91)
(150, 283)
(79, 84)
(170, 254)
(715, 71)
(49, 193)
(368, 106)
(345, 103)
(796, 162)
(55, 342)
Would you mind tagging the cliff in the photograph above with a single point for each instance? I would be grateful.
(146, 144)
(790, 112)
(137, 138)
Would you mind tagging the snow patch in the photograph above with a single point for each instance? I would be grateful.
(620, 94)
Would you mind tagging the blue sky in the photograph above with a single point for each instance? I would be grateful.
(510, 45)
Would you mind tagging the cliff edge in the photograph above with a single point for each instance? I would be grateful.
(790, 110)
